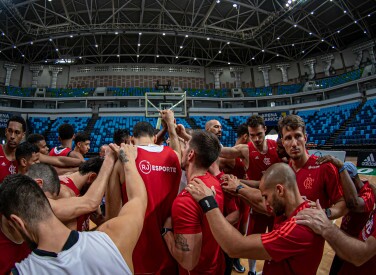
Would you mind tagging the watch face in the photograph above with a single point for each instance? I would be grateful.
(328, 212)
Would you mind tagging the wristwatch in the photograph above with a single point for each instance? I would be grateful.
(328, 212)
(238, 188)
(164, 231)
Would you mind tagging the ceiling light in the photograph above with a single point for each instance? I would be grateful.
(289, 2)
(23, 55)
(302, 51)
(157, 55)
(228, 43)
(195, 58)
(176, 57)
(228, 63)
(287, 5)
(57, 49)
(116, 33)
(312, 12)
(310, 33)
(31, 42)
(293, 44)
(333, 47)
(356, 22)
(181, 47)
(118, 55)
(277, 54)
(322, 40)
(4, 33)
(338, 31)
(369, 15)
(138, 55)
(344, 11)
(140, 33)
(208, 38)
(365, 32)
(234, 5)
(71, 36)
(80, 57)
(186, 36)
(263, 50)
(278, 38)
(218, 1)
(49, 0)
(45, 61)
(219, 51)
(14, 46)
(253, 58)
(50, 39)
(295, 25)
(163, 34)
(96, 45)
(138, 45)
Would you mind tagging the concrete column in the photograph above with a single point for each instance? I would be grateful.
(9, 67)
(310, 63)
(216, 72)
(54, 71)
(327, 60)
(237, 73)
(372, 55)
(35, 69)
(265, 72)
(283, 68)
(359, 57)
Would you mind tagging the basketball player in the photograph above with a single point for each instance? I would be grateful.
(66, 136)
(82, 144)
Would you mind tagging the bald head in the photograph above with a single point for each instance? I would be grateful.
(215, 127)
(279, 173)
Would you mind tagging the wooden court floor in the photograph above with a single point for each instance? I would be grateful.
(328, 254)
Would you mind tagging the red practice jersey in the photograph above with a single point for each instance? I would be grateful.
(60, 151)
(294, 248)
(353, 222)
(83, 221)
(7, 167)
(188, 218)
(160, 169)
(319, 182)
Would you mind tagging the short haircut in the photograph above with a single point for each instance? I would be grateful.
(120, 135)
(20, 195)
(26, 150)
(91, 165)
(241, 130)
(18, 119)
(66, 131)
(255, 121)
(35, 138)
(291, 122)
(81, 137)
(48, 174)
(143, 129)
(206, 146)
(280, 173)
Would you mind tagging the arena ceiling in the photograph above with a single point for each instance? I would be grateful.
(189, 32)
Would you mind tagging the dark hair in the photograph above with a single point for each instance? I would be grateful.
(20, 195)
(143, 129)
(291, 122)
(91, 165)
(48, 174)
(206, 146)
(120, 135)
(35, 138)
(18, 119)
(25, 150)
(255, 121)
(81, 137)
(66, 131)
(242, 129)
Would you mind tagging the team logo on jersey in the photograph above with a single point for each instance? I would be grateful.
(308, 183)
(146, 168)
(313, 167)
(12, 169)
(257, 157)
(3, 164)
(368, 228)
(267, 161)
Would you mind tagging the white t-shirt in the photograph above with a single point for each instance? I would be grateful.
(93, 253)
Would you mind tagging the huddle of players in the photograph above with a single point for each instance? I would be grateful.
(185, 233)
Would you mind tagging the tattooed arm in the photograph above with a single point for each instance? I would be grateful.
(185, 248)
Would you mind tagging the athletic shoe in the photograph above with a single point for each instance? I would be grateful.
(237, 266)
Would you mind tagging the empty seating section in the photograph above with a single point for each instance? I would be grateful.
(228, 135)
(130, 91)
(16, 91)
(207, 92)
(74, 92)
(79, 124)
(362, 129)
(262, 91)
(340, 79)
(237, 120)
(322, 124)
(105, 127)
(39, 125)
(289, 89)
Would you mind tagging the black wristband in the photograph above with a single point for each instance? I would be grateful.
(164, 231)
(238, 188)
(208, 203)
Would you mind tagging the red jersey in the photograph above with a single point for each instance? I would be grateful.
(353, 222)
(160, 169)
(294, 248)
(83, 221)
(319, 182)
(60, 151)
(369, 230)
(11, 253)
(7, 167)
(239, 170)
(188, 218)
(259, 162)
